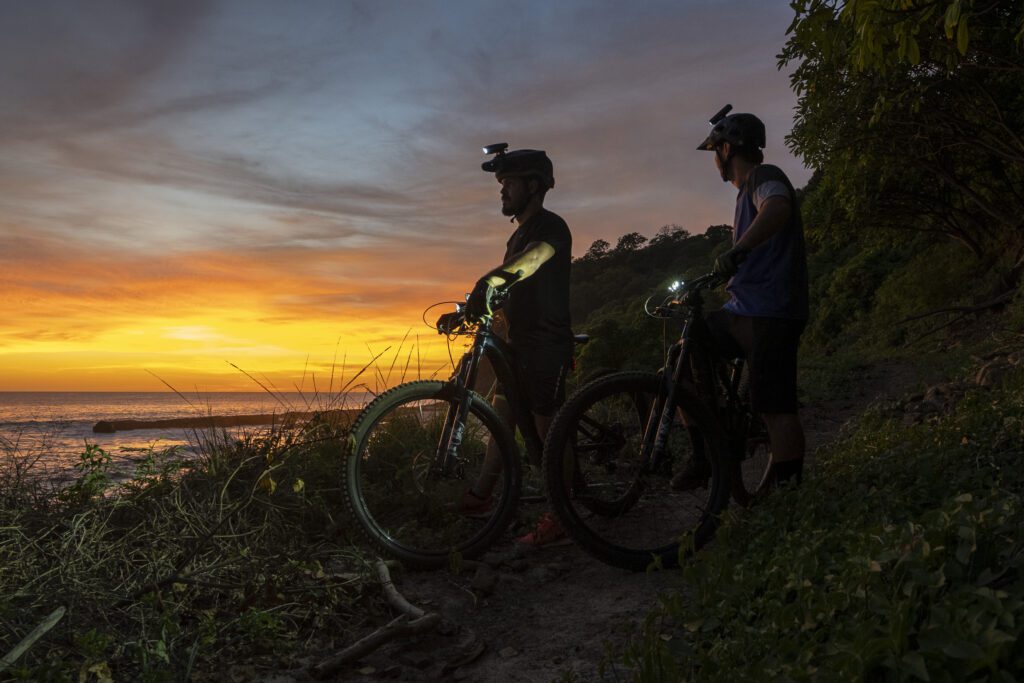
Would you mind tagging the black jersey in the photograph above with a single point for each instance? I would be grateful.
(537, 309)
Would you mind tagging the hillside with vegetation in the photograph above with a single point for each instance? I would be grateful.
(900, 557)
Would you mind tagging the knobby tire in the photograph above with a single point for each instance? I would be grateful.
(403, 509)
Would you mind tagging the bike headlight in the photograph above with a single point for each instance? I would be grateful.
(676, 286)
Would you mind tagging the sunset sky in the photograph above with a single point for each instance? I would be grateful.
(186, 185)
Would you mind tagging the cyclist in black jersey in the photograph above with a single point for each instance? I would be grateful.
(536, 264)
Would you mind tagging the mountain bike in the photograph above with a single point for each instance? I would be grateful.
(415, 450)
(613, 447)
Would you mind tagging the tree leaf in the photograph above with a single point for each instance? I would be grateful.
(267, 483)
(102, 672)
(952, 18)
(963, 649)
(914, 663)
(962, 37)
(913, 51)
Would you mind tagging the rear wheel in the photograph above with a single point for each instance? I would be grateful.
(750, 449)
(402, 505)
(622, 513)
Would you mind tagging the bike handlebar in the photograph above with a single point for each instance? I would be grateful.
(688, 295)
(460, 322)
(708, 281)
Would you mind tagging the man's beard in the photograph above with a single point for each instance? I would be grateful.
(510, 209)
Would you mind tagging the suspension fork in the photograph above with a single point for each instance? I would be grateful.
(659, 421)
(455, 420)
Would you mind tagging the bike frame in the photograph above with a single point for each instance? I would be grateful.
(681, 357)
(486, 344)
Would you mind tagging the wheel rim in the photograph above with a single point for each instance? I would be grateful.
(750, 471)
(407, 506)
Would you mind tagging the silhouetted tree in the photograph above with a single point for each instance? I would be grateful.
(717, 233)
(598, 249)
(669, 233)
(630, 242)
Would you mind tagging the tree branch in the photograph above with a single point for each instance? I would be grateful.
(993, 303)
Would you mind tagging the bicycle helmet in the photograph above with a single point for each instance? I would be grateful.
(521, 163)
(739, 130)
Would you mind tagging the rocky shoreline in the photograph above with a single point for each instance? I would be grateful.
(208, 421)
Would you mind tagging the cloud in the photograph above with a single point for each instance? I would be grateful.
(256, 170)
(66, 61)
(615, 95)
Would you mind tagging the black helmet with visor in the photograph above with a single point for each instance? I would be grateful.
(521, 163)
(739, 130)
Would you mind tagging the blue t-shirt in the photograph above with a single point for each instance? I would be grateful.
(772, 281)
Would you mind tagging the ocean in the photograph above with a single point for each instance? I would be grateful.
(57, 426)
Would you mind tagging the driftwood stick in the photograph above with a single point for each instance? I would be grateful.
(396, 628)
(411, 621)
(30, 640)
(395, 599)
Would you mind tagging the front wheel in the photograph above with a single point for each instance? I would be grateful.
(403, 502)
(615, 507)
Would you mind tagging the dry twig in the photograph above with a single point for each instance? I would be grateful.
(411, 621)
(30, 640)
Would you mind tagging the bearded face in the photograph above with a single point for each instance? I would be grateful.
(515, 195)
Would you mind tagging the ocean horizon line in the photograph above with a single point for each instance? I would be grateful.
(173, 393)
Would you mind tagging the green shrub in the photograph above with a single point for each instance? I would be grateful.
(942, 276)
(900, 559)
(843, 296)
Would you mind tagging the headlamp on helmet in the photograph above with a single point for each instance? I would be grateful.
(739, 130)
(519, 163)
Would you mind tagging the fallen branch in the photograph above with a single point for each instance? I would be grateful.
(394, 598)
(398, 627)
(948, 323)
(30, 640)
(411, 621)
(962, 309)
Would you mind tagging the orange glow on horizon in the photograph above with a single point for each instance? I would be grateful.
(206, 354)
(92, 325)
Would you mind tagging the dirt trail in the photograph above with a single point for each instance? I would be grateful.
(537, 616)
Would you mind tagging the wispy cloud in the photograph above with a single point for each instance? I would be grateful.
(169, 164)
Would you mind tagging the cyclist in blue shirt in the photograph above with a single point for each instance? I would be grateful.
(768, 308)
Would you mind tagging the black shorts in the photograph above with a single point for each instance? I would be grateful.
(540, 373)
(770, 347)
